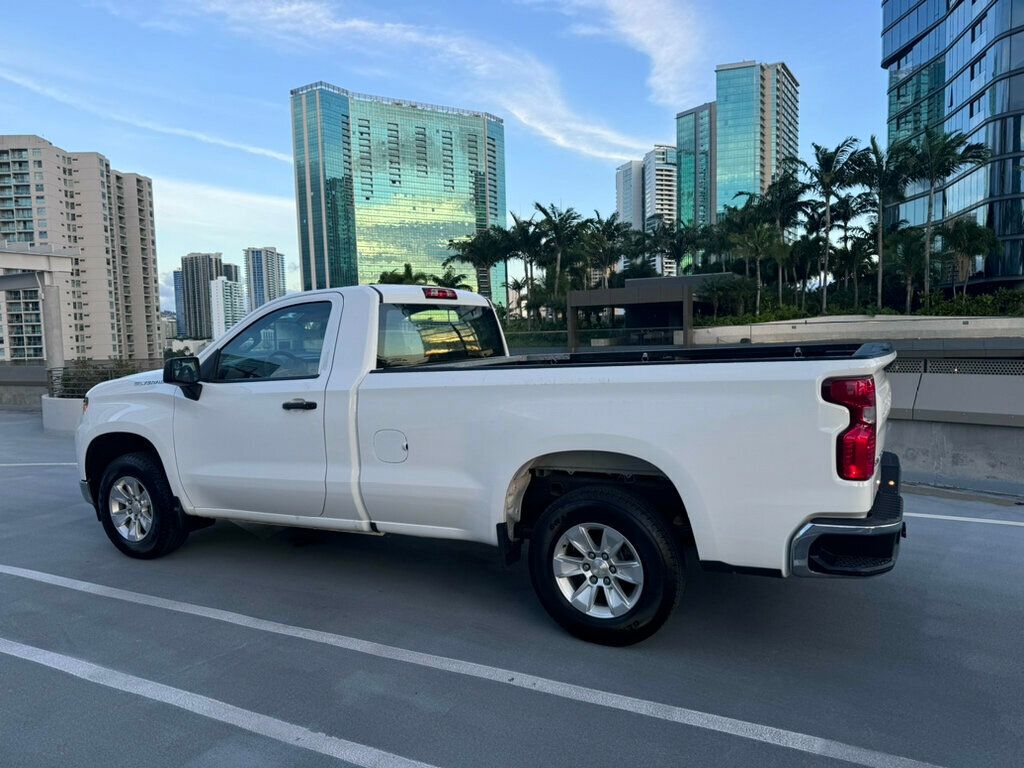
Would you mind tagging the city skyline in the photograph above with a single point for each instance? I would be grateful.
(222, 183)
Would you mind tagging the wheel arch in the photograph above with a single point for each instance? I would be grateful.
(106, 447)
(537, 482)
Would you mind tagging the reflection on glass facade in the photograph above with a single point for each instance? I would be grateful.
(380, 183)
(757, 126)
(960, 65)
(696, 160)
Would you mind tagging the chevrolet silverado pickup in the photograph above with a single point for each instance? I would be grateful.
(398, 409)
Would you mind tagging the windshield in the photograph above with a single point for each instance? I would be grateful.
(421, 334)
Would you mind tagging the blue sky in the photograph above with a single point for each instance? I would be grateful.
(194, 93)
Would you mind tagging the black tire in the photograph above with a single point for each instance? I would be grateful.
(169, 528)
(652, 541)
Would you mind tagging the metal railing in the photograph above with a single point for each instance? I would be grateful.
(79, 376)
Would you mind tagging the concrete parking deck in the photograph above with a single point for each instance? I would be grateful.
(264, 646)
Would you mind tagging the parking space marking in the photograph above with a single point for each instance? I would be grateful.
(214, 709)
(754, 731)
(959, 519)
(42, 464)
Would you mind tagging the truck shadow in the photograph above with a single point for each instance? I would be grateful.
(465, 589)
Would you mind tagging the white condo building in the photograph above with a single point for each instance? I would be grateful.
(227, 305)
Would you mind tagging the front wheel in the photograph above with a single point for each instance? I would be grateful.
(605, 566)
(137, 508)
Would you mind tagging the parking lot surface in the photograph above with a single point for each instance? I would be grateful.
(265, 646)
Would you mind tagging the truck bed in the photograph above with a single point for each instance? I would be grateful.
(732, 353)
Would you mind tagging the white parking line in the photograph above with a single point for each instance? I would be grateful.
(763, 733)
(42, 464)
(958, 519)
(262, 725)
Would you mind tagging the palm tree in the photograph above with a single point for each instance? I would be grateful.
(689, 240)
(804, 254)
(520, 286)
(907, 244)
(858, 255)
(524, 240)
(963, 238)
(403, 277)
(451, 279)
(604, 240)
(886, 174)
(782, 203)
(561, 229)
(847, 209)
(759, 242)
(937, 157)
(481, 251)
(832, 171)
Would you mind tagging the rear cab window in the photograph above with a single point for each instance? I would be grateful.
(425, 334)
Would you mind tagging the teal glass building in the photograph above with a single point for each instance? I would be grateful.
(757, 127)
(696, 161)
(959, 64)
(382, 182)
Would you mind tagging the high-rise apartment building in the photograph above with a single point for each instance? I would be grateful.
(660, 202)
(227, 305)
(757, 127)
(660, 184)
(49, 196)
(179, 304)
(264, 275)
(197, 271)
(960, 66)
(231, 271)
(629, 193)
(383, 182)
(696, 165)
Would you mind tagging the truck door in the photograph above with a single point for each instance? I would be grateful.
(254, 440)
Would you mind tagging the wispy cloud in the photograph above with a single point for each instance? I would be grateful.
(136, 122)
(502, 78)
(667, 32)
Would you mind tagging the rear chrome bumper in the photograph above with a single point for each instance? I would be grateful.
(852, 547)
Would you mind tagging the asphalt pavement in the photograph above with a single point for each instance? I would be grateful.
(267, 646)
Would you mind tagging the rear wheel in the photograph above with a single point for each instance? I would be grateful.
(605, 566)
(137, 508)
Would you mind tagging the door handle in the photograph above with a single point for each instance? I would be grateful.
(298, 404)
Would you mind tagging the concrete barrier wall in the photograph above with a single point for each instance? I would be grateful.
(967, 456)
(22, 386)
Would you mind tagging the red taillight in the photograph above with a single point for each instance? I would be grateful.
(440, 293)
(855, 447)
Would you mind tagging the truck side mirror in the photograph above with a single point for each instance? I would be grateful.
(184, 372)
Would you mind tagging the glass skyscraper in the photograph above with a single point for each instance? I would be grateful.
(383, 182)
(696, 160)
(959, 64)
(757, 126)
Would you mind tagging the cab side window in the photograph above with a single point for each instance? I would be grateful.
(286, 344)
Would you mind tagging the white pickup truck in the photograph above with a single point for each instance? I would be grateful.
(398, 409)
